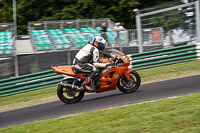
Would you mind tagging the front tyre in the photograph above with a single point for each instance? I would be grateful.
(129, 86)
(67, 95)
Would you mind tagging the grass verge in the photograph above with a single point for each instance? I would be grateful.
(28, 99)
(177, 115)
(147, 76)
(170, 71)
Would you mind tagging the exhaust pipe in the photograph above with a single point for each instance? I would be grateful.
(73, 87)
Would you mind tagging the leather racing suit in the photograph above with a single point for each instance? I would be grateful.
(82, 61)
(85, 56)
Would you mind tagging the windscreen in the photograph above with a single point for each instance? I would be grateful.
(116, 52)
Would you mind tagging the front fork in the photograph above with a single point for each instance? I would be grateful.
(127, 73)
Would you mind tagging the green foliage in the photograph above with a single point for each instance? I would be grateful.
(169, 20)
(44, 10)
(166, 21)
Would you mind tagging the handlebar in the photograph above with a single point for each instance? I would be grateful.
(115, 60)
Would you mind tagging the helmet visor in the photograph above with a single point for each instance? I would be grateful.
(101, 46)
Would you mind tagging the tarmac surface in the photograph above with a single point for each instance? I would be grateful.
(147, 92)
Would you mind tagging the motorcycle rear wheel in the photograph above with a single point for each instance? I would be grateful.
(67, 95)
(129, 86)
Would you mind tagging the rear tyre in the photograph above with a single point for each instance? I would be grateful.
(129, 86)
(67, 95)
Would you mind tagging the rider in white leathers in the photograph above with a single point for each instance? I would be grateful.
(87, 54)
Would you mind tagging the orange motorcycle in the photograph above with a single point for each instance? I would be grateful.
(112, 77)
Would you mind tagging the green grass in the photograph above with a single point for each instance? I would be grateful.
(28, 99)
(147, 76)
(170, 71)
(177, 115)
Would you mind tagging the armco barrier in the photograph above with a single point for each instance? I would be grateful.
(198, 50)
(28, 82)
(144, 60)
(165, 56)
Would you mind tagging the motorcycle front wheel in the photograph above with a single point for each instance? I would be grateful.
(67, 95)
(129, 86)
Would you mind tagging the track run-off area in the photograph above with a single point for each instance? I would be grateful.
(147, 92)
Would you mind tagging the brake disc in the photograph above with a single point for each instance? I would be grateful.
(71, 93)
(128, 83)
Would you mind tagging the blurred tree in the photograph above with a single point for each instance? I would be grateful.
(44, 10)
(182, 18)
(150, 3)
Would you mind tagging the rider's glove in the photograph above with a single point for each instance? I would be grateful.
(107, 55)
(110, 63)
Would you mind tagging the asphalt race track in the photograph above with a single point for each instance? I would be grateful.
(147, 92)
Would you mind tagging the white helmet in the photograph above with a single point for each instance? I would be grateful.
(99, 42)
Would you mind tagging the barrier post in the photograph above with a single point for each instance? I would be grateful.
(68, 57)
(198, 20)
(198, 50)
(16, 66)
(139, 32)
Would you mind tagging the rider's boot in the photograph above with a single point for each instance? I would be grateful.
(86, 83)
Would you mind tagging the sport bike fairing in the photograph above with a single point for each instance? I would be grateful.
(67, 70)
(109, 78)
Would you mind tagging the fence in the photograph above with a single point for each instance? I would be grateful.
(68, 24)
(28, 82)
(66, 34)
(73, 34)
(143, 60)
(165, 56)
(180, 22)
(150, 37)
(31, 63)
